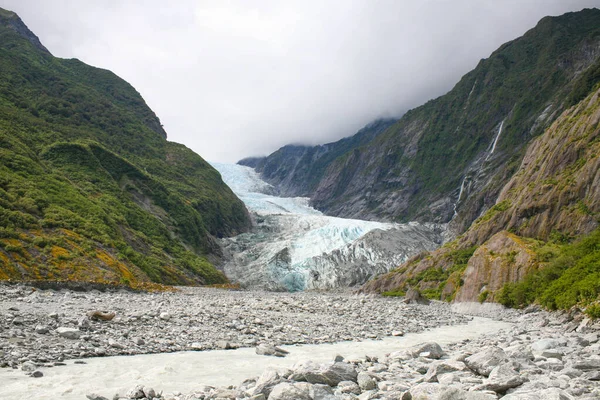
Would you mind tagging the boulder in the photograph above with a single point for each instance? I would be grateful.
(266, 382)
(270, 350)
(503, 377)
(329, 374)
(485, 361)
(289, 391)
(428, 350)
(365, 381)
(413, 296)
(68, 333)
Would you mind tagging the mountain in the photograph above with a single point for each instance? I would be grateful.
(90, 189)
(297, 170)
(448, 159)
(541, 240)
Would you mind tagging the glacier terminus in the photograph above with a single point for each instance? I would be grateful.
(295, 247)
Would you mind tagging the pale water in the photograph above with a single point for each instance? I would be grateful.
(186, 371)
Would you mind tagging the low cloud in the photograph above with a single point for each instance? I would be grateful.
(231, 79)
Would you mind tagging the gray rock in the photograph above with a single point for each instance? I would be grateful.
(429, 350)
(365, 381)
(587, 365)
(345, 387)
(270, 350)
(37, 374)
(165, 316)
(149, 392)
(484, 361)
(84, 323)
(544, 344)
(426, 391)
(503, 377)
(224, 345)
(136, 393)
(266, 382)
(460, 394)
(329, 374)
(42, 329)
(321, 392)
(68, 333)
(413, 296)
(442, 367)
(288, 391)
(94, 396)
(544, 394)
(28, 366)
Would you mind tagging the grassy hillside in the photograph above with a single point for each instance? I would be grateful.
(90, 189)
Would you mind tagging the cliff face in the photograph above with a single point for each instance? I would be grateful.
(299, 170)
(555, 191)
(90, 189)
(448, 159)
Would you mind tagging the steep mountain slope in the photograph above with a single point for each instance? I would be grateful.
(448, 159)
(90, 189)
(528, 234)
(298, 170)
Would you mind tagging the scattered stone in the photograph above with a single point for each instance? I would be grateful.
(365, 381)
(485, 361)
(94, 396)
(41, 329)
(37, 374)
(270, 350)
(289, 391)
(101, 315)
(428, 350)
(68, 333)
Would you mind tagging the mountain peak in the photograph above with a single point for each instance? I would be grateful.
(12, 21)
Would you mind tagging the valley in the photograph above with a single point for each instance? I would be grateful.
(450, 251)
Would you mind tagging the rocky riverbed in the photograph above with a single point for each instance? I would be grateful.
(44, 327)
(542, 356)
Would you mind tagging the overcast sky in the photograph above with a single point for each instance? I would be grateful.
(231, 79)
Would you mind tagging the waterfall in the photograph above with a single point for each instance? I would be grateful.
(462, 188)
(497, 137)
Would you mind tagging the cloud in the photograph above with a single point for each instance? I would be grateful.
(235, 78)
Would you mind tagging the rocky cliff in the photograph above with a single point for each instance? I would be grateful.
(553, 197)
(90, 189)
(448, 159)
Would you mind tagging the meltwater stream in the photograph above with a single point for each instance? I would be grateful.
(295, 247)
(187, 371)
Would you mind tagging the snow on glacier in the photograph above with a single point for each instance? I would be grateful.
(292, 240)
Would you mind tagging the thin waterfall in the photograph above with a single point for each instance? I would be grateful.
(497, 137)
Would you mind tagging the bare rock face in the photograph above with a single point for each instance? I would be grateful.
(502, 259)
(413, 296)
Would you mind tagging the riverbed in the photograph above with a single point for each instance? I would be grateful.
(186, 371)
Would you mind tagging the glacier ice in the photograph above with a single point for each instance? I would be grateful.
(295, 247)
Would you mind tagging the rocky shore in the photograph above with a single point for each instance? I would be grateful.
(542, 356)
(45, 327)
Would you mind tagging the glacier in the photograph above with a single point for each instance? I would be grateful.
(295, 247)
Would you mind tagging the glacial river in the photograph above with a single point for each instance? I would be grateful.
(186, 371)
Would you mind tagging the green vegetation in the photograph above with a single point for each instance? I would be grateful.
(90, 189)
(571, 276)
(432, 281)
(394, 293)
